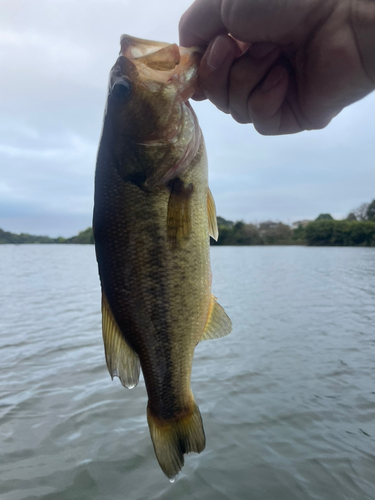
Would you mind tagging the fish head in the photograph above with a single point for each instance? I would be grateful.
(152, 122)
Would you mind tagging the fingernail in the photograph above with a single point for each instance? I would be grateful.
(273, 78)
(262, 49)
(218, 53)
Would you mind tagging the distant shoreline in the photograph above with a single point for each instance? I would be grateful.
(226, 245)
(321, 232)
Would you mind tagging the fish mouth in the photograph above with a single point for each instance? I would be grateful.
(160, 63)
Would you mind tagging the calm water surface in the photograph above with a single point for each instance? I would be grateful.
(288, 399)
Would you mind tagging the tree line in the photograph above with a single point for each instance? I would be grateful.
(315, 233)
(357, 229)
(83, 237)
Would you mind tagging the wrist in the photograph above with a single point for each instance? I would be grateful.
(363, 24)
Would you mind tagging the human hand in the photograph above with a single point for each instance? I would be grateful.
(299, 64)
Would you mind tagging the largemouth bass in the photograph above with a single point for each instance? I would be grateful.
(152, 219)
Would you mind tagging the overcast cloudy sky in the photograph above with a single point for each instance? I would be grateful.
(55, 56)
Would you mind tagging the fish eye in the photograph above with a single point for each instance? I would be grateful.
(122, 89)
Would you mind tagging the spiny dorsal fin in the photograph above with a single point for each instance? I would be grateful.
(122, 361)
(218, 324)
(179, 213)
(212, 221)
(173, 438)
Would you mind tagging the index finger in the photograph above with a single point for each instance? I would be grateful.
(201, 23)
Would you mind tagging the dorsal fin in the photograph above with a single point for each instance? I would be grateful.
(122, 361)
(218, 324)
(212, 221)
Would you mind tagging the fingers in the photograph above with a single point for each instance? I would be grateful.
(253, 88)
(245, 76)
(215, 68)
(233, 84)
(201, 23)
(265, 105)
(199, 95)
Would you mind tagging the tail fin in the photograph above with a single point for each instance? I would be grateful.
(174, 437)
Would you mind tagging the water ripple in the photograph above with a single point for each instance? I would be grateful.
(287, 399)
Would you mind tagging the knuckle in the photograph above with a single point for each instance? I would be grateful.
(265, 128)
(256, 108)
(266, 123)
(240, 119)
(321, 122)
(223, 108)
(261, 108)
(315, 121)
(217, 97)
(239, 111)
(216, 93)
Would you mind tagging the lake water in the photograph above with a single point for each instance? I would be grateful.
(287, 400)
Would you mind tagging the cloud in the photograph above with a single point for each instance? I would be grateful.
(330, 170)
(55, 56)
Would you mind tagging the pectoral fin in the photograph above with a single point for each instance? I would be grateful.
(218, 324)
(179, 213)
(122, 361)
(212, 221)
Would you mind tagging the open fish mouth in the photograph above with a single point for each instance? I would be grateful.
(169, 72)
(160, 63)
(155, 55)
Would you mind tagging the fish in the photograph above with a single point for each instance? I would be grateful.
(153, 217)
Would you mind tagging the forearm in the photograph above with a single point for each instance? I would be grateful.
(363, 23)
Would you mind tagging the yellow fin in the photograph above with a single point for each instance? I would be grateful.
(218, 324)
(212, 221)
(174, 437)
(122, 361)
(179, 213)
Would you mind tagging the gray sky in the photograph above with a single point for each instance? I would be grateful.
(55, 56)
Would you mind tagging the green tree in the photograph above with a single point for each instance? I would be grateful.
(223, 222)
(351, 217)
(319, 233)
(275, 233)
(299, 234)
(324, 217)
(340, 233)
(370, 213)
(85, 237)
(361, 211)
(237, 233)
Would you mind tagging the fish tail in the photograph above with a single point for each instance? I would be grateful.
(176, 436)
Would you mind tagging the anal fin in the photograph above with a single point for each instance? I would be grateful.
(122, 361)
(218, 324)
(212, 220)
